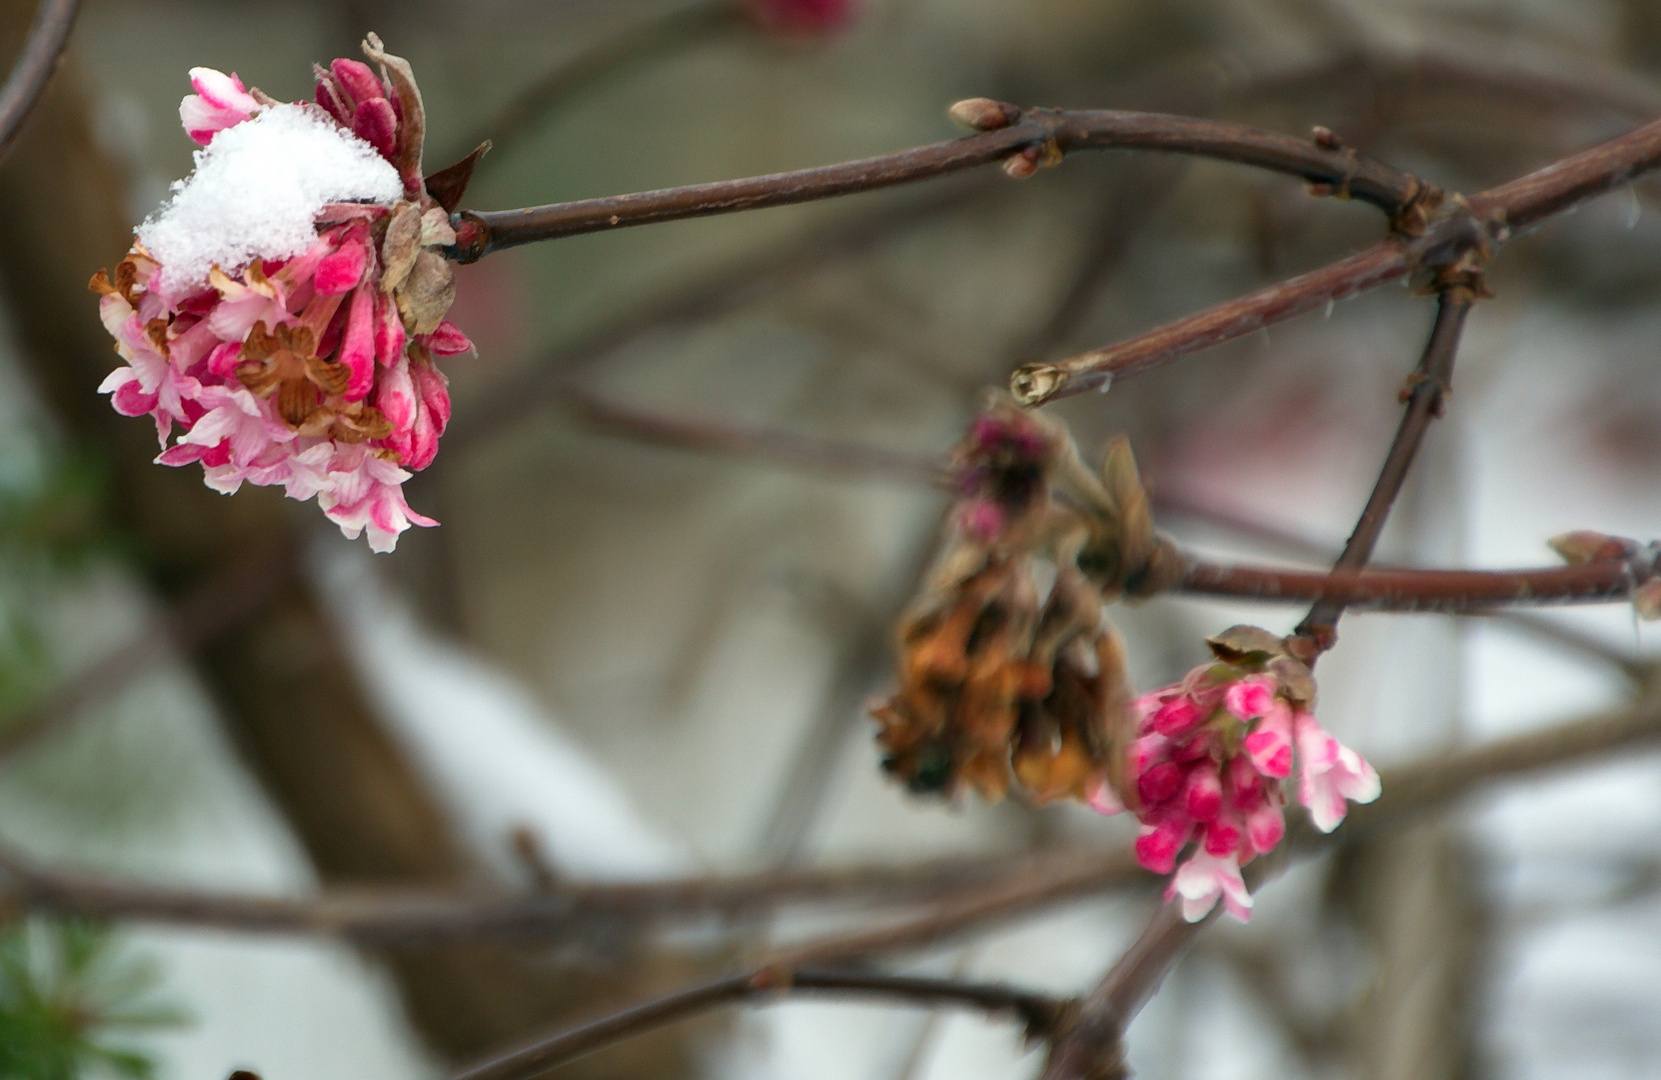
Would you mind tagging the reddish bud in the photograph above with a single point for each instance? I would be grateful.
(983, 114)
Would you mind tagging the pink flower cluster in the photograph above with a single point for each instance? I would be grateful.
(314, 372)
(1210, 764)
(804, 17)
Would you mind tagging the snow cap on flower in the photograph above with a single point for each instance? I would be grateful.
(280, 315)
(1209, 761)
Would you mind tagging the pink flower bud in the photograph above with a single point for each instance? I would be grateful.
(220, 102)
(447, 341)
(341, 270)
(1265, 826)
(1160, 782)
(1251, 697)
(357, 345)
(375, 124)
(1202, 793)
(358, 82)
(803, 17)
(389, 331)
(395, 396)
(1158, 845)
(1223, 836)
(1270, 743)
(1178, 716)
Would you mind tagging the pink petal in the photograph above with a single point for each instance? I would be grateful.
(1250, 697)
(1178, 716)
(1158, 846)
(357, 345)
(434, 389)
(1270, 743)
(375, 125)
(220, 90)
(389, 330)
(1265, 827)
(1160, 782)
(447, 340)
(1223, 836)
(341, 270)
(1203, 792)
(358, 82)
(395, 396)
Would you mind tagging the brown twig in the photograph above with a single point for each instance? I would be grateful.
(405, 916)
(1086, 1039)
(1450, 592)
(1426, 391)
(1054, 132)
(1486, 221)
(1177, 504)
(34, 67)
(1037, 1013)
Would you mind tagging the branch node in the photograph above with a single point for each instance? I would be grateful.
(472, 238)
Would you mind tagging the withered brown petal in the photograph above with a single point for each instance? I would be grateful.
(412, 128)
(401, 246)
(260, 344)
(296, 398)
(330, 375)
(428, 292)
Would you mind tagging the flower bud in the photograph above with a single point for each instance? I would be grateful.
(983, 114)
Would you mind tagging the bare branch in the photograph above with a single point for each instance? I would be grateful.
(1493, 217)
(34, 67)
(1037, 1013)
(1426, 390)
(1450, 592)
(1054, 132)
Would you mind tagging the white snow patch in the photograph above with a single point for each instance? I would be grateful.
(491, 749)
(257, 188)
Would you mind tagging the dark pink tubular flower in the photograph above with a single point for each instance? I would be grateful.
(1210, 763)
(281, 315)
(806, 18)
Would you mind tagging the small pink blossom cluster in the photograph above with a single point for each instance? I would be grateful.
(1002, 471)
(1210, 763)
(804, 17)
(313, 371)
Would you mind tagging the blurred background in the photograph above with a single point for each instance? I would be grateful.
(620, 659)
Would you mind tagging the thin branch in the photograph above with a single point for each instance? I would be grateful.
(386, 917)
(34, 66)
(635, 46)
(1426, 391)
(1086, 1038)
(1037, 1013)
(1449, 592)
(1486, 221)
(1167, 502)
(1055, 132)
